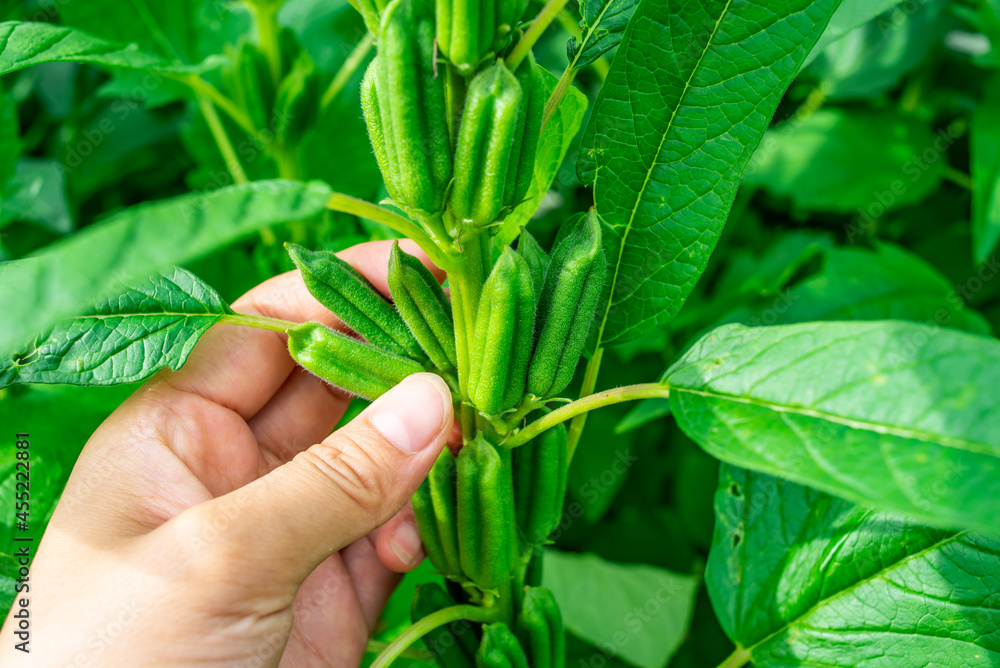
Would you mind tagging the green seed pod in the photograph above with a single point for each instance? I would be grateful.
(500, 649)
(521, 171)
(247, 79)
(436, 511)
(540, 468)
(424, 307)
(453, 645)
(356, 367)
(569, 299)
(373, 119)
(484, 145)
(339, 287)
(540, 629)
(411, 105)
(508, 15)
(537, 259)
(486, 534)
(371, 12)
(296, 104)
(501, 346)
(465, 31)
(533, 573)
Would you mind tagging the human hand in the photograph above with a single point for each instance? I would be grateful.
(199, 528)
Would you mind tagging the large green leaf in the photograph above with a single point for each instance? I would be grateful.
(10, 142)
(691, 91)
(603, 24)
(635, 612)
(901, 416)
(557, 135)
(77, 272)
(846, 161)
(184, 30)
(850, 15)
(874, 57)
(23, 44)
(125, 338)
(984, 144)
(861, 284)
(801, 578)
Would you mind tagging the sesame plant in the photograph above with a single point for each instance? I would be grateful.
(858, 492)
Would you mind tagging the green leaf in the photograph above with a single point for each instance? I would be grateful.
(23, 44)
(185, 30)
(554, 142)
(77, 272)
(984, 144)
(603, 24)
(861, 284)
(850, 15)
(873, 58)
(801, 578)
(634, 612)
(37, 193)
(896, 415)
(690, 93)
(845, 161)
(126, 338)
(10, 142)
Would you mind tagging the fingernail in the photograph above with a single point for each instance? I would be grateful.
(405, 543)
(413, 413)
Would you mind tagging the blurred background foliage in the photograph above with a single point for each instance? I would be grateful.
(875, 194)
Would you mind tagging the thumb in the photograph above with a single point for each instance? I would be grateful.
(339, 490)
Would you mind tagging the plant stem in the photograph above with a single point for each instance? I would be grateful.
(222, 140)
(589, 384)
(615, 395)
(363, 209)
(267, 31)
(531, 35)
(466, 285)
(432, 621)
(258, 321)
(350, 66)
(377, 646)
(559, 92)
(230, 108)
(959, 178)
(737, 659)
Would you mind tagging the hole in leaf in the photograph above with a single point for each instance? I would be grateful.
(737, 537)
(735, 490)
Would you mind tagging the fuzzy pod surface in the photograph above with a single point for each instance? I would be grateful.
(540, 471)
(540, 629)
(500, 649)
(351, 297)
(528, 128)
(356, 367)
(412, 130)
(502, 341)
(424, 307)
(435, 507)
(573, 285)
(537, 259)
(486, 533)
(484, 145)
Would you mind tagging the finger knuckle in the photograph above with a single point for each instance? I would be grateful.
(356, 468)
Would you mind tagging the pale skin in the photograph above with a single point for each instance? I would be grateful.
(213, 520)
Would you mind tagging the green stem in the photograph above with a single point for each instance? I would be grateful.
(204, 89)
(363, 209)
(267, 31)
(958, 178)
(258, 321)
(589, 384)
(222, 140)
(559, 92)
(466, 285)
(350, 66)
(432, 621)
(545, 17)
(610, 397)
(378, 646)
(737, 659)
